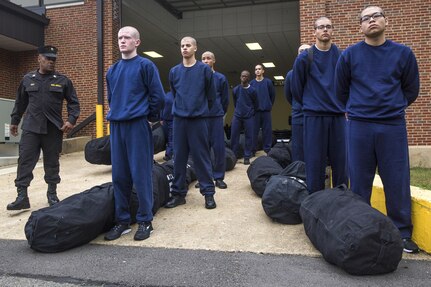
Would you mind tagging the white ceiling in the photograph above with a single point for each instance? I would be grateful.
(232, 56)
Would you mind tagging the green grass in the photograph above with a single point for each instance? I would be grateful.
(420, 177)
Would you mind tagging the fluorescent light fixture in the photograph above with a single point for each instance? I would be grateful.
(153, 54)
(268, 65)
(254, 46)
(279, 78)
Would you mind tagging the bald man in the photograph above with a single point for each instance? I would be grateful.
(297, 137)
(215, 121)
(135, 96)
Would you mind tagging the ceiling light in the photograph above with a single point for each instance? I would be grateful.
(279, 78)
(268, 65)
(254, 46)
(153, 54)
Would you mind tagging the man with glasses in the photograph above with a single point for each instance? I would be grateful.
(40, 96)
(312, 85)
(382, 84)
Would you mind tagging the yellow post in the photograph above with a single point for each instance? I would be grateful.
(99, 121)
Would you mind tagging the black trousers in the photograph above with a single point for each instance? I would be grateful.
(29, 152)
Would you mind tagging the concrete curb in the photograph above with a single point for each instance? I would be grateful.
(421, 212)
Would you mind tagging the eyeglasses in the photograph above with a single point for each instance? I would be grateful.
(375, 16)
(322, 27)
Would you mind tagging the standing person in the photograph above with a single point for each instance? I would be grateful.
(324, 121)
(168, 123)
(40, 96)
(215, 121)
(192, 84)
(297, 138)
(245, 103)
(135, 96)
(266, 97)
(378, 79)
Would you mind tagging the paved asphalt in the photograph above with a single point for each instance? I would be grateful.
(102, 265)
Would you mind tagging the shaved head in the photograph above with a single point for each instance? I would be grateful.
(131, 30)
(303, 48)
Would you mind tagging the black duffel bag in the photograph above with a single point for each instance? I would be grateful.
(159, 140)
(259, 172)
(283, 197)
(98, 151)
(295, 169)
(281, 153)
(190, 170)
(350, 233)
(72, 222)
(230, 159)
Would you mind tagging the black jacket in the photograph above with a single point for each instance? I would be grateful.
(41, 98)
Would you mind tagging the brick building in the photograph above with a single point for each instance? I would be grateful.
(79, 29)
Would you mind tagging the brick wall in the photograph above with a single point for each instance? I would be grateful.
(13, 66)
(76, 38)
(409, 24)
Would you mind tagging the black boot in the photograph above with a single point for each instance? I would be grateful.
(21, 201)
(51, 194)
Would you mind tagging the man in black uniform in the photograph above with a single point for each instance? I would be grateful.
(40, 95)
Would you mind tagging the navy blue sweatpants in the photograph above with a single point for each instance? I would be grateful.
(263, 120)
(372, 145)
(168, 129)
(217, 144)
(297, 142)
(191, 137)
(237, 125)
(132, 163)
(325, 138)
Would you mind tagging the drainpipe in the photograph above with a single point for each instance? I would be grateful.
(100, 71)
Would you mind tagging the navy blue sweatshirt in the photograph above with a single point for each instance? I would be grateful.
(315, 88)
(377, 82)
(134, 90)
(245, 101)
(193, 89)
(221, 103)
(167, 109)
(297, 115)
(265, 93)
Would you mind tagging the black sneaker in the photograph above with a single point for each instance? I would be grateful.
(210, 202)
(246, 161)
(220, 184)
(117, 231)
(144, 231)
(410, 246)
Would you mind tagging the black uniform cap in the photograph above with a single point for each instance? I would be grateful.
(48, 51)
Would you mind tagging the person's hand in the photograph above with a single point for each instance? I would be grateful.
(67, 127)
(13, 130)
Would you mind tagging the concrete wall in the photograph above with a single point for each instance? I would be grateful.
(421, 212)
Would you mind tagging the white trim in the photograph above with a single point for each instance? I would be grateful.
(65, 5)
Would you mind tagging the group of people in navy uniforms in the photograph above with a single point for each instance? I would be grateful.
(348, 112)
